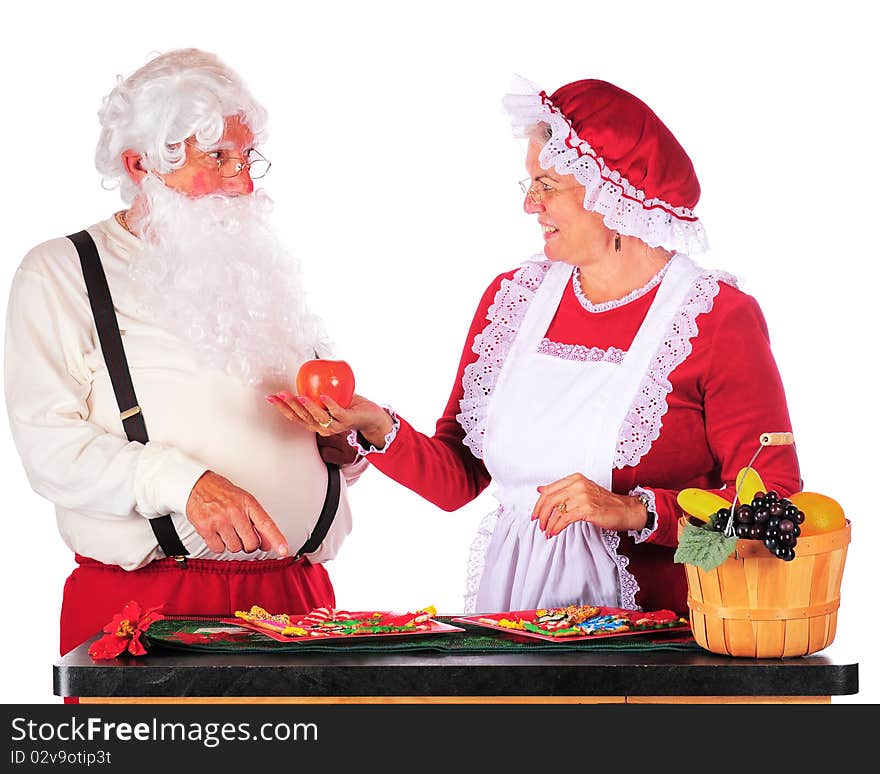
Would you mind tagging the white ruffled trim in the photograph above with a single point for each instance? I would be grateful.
(629, 586)
(644, 419)
(389, 436)
(581, 353)
(606, 305)
(492, 345)
(641, 535)
(624, 208)
(477, 559)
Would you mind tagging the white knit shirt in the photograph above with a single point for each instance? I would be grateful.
(66, 424)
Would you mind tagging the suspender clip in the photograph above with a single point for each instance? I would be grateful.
(181, 562)
(128, 413)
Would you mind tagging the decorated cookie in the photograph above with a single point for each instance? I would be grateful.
(567, 631)
(657, 619)
(507, 623)
(604, 624)
(580, 613)
(280, 623)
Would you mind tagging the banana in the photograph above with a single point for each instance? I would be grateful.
(701, 504)
(749, 483)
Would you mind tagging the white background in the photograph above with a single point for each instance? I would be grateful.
(394, 175)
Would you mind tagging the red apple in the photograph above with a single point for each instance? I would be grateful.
(326, 377)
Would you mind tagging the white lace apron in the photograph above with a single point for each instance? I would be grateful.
(549, 417)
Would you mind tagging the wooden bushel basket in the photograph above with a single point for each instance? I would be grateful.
(757, 605)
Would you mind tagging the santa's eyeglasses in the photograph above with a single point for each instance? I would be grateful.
(228, 165)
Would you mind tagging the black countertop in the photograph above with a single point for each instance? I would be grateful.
(168, 673)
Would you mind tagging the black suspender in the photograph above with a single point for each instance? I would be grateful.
(133, 419)
(117, 366)
(328, 512)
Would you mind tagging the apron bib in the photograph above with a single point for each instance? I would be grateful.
(547, 418)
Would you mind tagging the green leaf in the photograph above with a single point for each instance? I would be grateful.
(702, 547)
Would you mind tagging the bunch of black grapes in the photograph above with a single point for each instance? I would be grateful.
(770, 518)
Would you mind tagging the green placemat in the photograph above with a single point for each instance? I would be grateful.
(213, 636)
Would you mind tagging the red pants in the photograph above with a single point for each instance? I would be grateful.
(94, 592)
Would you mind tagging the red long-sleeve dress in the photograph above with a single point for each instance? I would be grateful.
(725, 393)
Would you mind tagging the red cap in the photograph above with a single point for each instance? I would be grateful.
(631, 140)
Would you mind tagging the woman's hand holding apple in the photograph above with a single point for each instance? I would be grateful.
(329, 418)
(327, 405)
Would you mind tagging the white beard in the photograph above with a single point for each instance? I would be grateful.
(213, 272)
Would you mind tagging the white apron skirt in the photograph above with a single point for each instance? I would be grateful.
(550, 417)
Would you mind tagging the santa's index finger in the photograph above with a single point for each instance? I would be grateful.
(272, 538)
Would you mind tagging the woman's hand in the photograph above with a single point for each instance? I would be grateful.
(369, 419)
(576, 498)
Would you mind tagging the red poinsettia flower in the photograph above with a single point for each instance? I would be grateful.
(124, 632)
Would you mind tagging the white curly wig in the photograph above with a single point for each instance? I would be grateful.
(179, 94)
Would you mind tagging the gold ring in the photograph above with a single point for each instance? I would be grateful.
(326, 424)
(564, 507)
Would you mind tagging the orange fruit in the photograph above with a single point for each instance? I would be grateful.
(821, 513)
